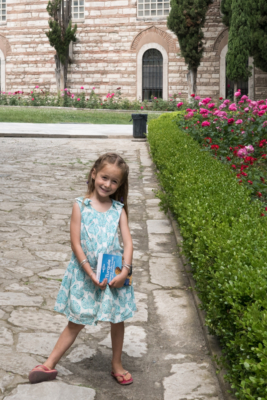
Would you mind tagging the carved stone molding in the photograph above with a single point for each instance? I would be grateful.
(221, 42)
(4, 45)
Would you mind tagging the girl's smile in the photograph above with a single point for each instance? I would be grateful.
(107, 180)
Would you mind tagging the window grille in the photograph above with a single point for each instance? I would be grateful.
(77, 9)
(152, 74)
(153, 8)
(2, 10)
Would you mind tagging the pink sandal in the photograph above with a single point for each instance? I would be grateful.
(41, 373)
(124, 381)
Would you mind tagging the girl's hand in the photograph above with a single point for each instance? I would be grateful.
(101, 285)
(119, 280)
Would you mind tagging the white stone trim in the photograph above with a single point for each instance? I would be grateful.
(251, 86)
(140, 54)
(223, 71)
(3, 71)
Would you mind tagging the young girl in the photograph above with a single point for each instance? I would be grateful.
(82, 298)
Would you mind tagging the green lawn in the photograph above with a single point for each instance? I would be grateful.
(54, 116)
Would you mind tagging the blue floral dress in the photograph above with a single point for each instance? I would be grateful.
(78, 298)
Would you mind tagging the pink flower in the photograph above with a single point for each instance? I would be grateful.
(203, 111)
(32, 98)
(226, 101)
(205, 123)
(31, 93)
(244, 97)
(36, 87)
(72, 96)
(82, 87)
(93, 88)
(261, 113)
(232, 107)
(246, 109)
(249, 148)
(180, 104)
(142, 107)
(242, 153)
(193, 95)
(231, 121)
(78, 99)
(206, 101)
(197, 98)
(264, 124)
(155, 98)
(211, 105)
(238, 93)
(239, 121)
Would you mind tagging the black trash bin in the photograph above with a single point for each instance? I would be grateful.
(139, 125)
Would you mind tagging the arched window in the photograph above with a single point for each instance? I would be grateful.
(152, 74)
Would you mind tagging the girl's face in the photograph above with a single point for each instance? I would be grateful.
(107, 180)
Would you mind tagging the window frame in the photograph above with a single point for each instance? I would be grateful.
(3, 2)
(153, 9)
(79, 18)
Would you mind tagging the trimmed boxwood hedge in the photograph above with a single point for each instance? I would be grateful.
(225, 239)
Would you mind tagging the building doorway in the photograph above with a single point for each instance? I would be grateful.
(152, 72)
(242, 85)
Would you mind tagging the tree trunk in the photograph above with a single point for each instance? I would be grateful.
(192, 81)
(60, 74)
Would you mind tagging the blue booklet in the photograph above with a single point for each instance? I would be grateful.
(109, 266)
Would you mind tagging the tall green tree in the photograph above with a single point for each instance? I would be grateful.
(258, 18)
(239, 43)
(186, 19)
(226, 9)
(60, 36)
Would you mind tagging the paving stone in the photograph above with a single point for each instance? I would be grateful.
(36, 343)
(41, 320)
(134, 341)
(17, 363)
(80, 353)
(51, 255)
(159, 226)
(20, 270)
(164, 271)
(57, 272)
(51, 391)
(159, 243)
(19, 254)
(180, 385)
(141, 314)
(19, 299)
(6, 337)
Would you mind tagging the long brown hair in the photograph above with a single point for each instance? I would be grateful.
(121, 193)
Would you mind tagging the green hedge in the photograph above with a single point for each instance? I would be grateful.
(225, 238)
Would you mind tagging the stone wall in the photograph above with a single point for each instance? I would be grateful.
(106, 53)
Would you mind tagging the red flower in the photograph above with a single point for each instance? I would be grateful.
(238, 175)
(262, 215)
(208, 139)
(193, 95)
(240, 181)
(231, 121)
(233, 166)
(221, 98)
(262, 179)
(214, 147)
(244, 174)
(265, 208)
(264, 156)
(259, 194)
(250, 182)
(228, 158)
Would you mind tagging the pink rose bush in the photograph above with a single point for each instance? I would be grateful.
(235, 134)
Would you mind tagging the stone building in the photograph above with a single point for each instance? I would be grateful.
(121, 43)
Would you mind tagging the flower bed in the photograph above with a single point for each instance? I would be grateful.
(234, 134)
(225, 239)
(91, 100)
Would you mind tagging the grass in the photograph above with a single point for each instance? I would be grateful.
(50, 116)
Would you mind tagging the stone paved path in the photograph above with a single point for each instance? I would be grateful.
(164, 345)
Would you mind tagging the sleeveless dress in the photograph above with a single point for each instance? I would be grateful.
(78, 298)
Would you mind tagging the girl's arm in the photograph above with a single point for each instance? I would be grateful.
(119, 280)
(75, 238)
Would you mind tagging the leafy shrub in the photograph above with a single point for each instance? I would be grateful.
(225, 239)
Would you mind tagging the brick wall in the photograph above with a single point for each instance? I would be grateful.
(105, 55)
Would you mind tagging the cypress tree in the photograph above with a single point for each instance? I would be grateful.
(239, 43)
(60, 36)
(186, 20)
(258, 19)
(226, 9)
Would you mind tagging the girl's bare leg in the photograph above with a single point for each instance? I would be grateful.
(117, 335)
(64, 342)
